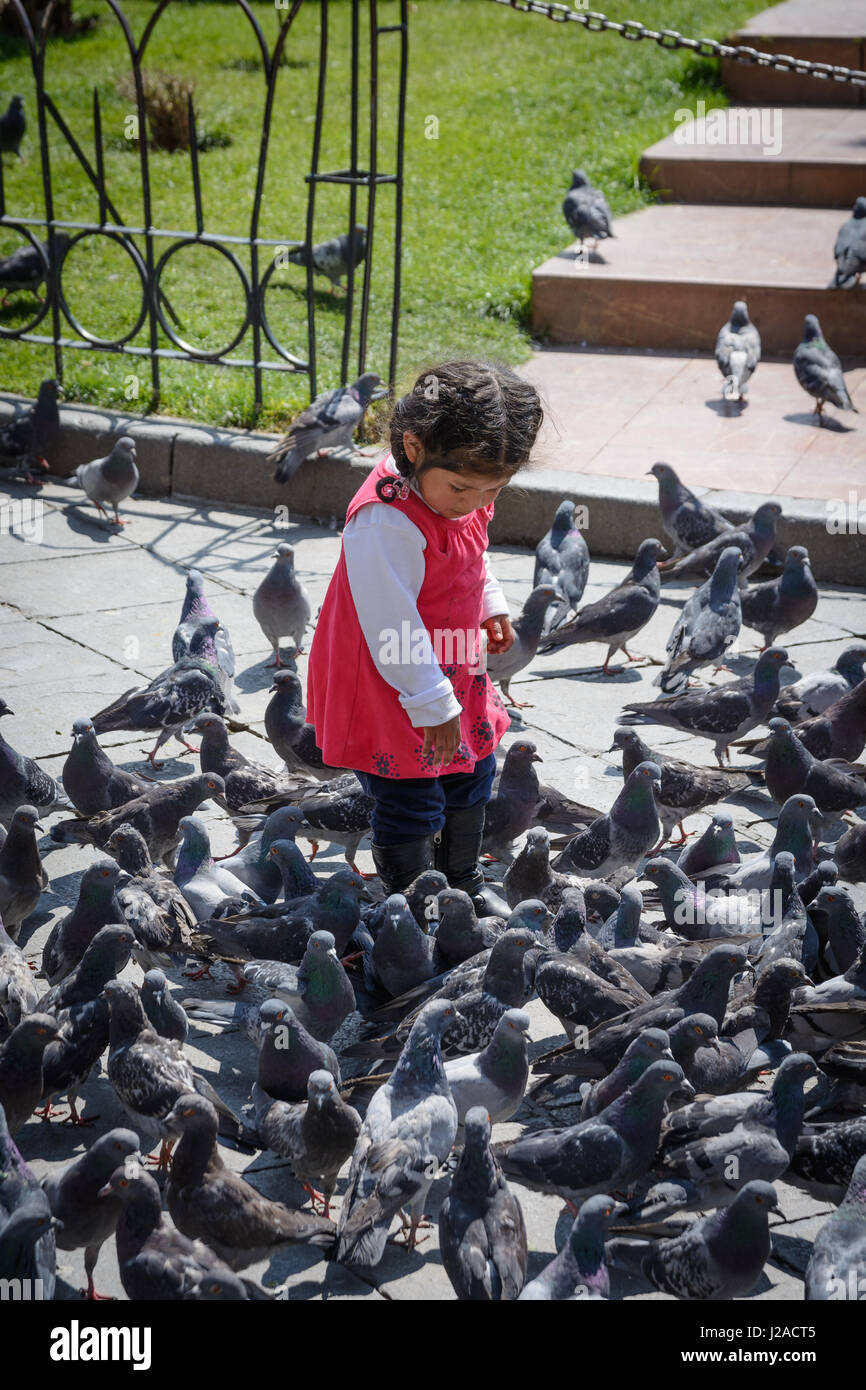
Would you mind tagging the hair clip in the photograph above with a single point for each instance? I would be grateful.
(389, 490)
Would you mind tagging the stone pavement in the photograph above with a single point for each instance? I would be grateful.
(87, 613)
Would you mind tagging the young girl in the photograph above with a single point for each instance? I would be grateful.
(396, 688)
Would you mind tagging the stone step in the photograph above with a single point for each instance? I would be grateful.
(822, 31)
(669, 276)
(794, 156)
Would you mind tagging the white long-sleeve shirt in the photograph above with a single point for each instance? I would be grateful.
(384, 553)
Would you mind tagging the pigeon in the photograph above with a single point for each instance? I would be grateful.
(157, 1263)
(625, 925)
(111, 479)
(688, 521)
(765, 1005)
(83, 1032)
(562, 559)
(209, 1202)
(22, 877)
(711, 1116)
(317, 1135)
(612, 1149)
(408, 1131)
(813, 694)
(197, 635)
(844, 1067)
(22, 1257)
(204, 884)
(530, 874)
(685, 787)
(23, 783)
(18, 993)
(13, 124)
(577, 997)
(21, 1067)
(586, 211)
(821, 1013)
(720, 713)
(720, 1256)
(502, 667)
(697, 914)
(837, 1263)
(850, 249)
(482, 1234)
(460, 935)
(837, 920)
(254, 865)
(708, 625)
(715, 848)
(33, 437)
(819, 371)
(91, 780)
(617, 617)
(281, 604)
(790, 768)
(164, 1013)
(151, 902)
(850, 854)
(403, 954)
(824, 1159)
(738, 351)
(169, 702)
(779, 605)
(318, 990)
(281, 932)
(106, 955)
(580, 1270)
(286, 727)
(246, 783)
(287, 1052)
(652, 1045)
(755, 539)
(495, 1078)
(795, 834)
(339, 814)
(148, 1072)
(71, 935)
(329, 422)
(333, 258)
(86, 1220)
(839, 732)
(156, 815)
(621, 838)
(513, 800)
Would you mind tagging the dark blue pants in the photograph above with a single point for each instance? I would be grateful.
(408, 808)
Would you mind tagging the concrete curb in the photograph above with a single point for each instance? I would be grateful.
(180, 459)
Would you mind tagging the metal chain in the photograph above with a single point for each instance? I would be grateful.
(669, 38)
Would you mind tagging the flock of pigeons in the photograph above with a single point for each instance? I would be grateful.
(750, 965)
(738, 346)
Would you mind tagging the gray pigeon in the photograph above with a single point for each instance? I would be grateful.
(685, 787)
(327, 423)
(688, 521)
(33, 436)
(580, 1270)
(281, 604)
(513, 801)
(738, 351)
(836, 918)
(90, 778)
(290, 734)
(707, 626)
(586, 211)
(825, 1158)
(253, 864)
(21, 1067)
(850, 249)
(86, 1220)
(819, 371)
(790, 768)
(402, 954)
(333, 257)
(22, 876)
(151, 902)
(71, 935)
(652, 1045)
(496, 1077)
(317, 1135)
(621, 838)
(163, 1010)
(795, 834)
(106, 955)
(24, 783)
(813, 694)
(22, 1257)
(171, 700)
(338, 812)
(850, 854)
(755, 539)
(720, 713)
(720, 1256)
(715, 848)
(562, 559)
(288, 1054)
(18, 992)
(205, 884)
(208, 1201)
(111, 479)
(26, 267)
(199, 632)
(482, 1234)
(13, 124)
(617, 617)
(779, 605)
(838, 732)
(837, 1264)
(502, 667)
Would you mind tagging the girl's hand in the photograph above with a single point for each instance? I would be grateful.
(500, 633)
(442, 740)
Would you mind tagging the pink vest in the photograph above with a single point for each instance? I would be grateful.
(358, 717)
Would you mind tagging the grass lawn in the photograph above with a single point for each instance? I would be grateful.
(519, 101)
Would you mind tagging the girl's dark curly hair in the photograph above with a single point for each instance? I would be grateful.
(475, 416)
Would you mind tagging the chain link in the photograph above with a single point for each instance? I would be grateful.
(633, 30)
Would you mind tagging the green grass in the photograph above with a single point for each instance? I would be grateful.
(519, 101)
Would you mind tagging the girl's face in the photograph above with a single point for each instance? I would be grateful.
(458, 494)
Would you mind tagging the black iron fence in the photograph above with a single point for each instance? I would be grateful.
(255, 346)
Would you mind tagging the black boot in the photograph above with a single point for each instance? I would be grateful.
(399, 865)
(457, 847)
